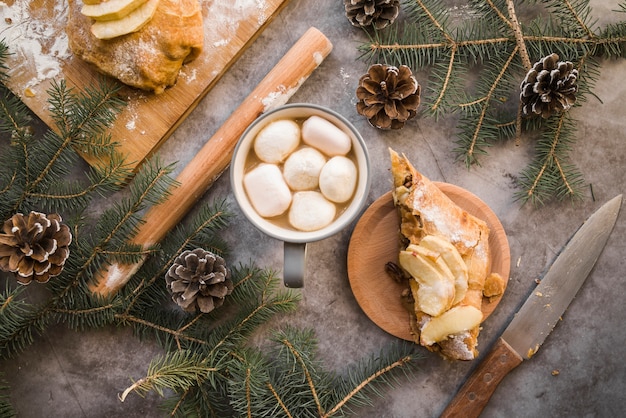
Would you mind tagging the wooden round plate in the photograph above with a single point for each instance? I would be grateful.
(375, 241)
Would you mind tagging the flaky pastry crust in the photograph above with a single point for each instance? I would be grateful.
(423, 210)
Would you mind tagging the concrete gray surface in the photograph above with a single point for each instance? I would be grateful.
(71, 374)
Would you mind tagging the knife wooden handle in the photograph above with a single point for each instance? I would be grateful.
(214, 157)
(475, 393)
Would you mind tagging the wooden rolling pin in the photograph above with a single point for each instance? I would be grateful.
(214, 157)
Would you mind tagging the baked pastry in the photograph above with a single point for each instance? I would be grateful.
(150, 58)
(427, 214)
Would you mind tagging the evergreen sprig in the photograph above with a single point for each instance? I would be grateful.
(177, 370)
(290, 380)
(35, 170)
(19, 322)
(492, 43)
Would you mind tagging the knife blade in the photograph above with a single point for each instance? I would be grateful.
(539, 314)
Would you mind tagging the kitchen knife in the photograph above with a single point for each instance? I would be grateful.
(539, 314)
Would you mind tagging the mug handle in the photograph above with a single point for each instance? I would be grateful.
(294, 264)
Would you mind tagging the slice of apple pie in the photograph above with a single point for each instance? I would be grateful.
(445, 250)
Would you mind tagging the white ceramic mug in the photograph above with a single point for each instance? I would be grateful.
(295, 241)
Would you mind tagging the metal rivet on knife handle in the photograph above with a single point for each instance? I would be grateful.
(213, 158)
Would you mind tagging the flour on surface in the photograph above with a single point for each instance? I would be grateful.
(37, 41)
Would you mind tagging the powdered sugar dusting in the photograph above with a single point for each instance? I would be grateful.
(443, 222)
(456, 344)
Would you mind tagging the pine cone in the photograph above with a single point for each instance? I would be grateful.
(199, 279)
(549, 87)
(388, 96)
(34, 246)
(377, 13)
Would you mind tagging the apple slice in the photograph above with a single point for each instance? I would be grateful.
(432, 300)
(110, 9)
(132, 22)
(93, 1)
(458, 319)
(432, 283)
(425, 265)
(453, 260)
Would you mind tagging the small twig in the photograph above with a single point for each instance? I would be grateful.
(500, 15)
(518, 125)
(569, 6)
(444, 87)
(563, 176)
(279, 400)
(483, 113)
(248, 395)
(366, 382)
(435, 21)
(309, 380)
(550, 157)
(129, 389)
(519, 36)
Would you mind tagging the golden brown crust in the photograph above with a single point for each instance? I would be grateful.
(428, 211)
(494, 285)
(149, 59)
(425, 210)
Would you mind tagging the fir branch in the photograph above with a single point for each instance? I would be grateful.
(290, 381)
(472, 146)
(116, 226)
(66, 196)
(550, 171)
(303, 363)
(177, 370)
(38, 168)
(89, 317)
(251, 317)
(19, 321)
(179, 336)
(14, 116)
(85, 114)
(396, 362)
(201, 400)
(249, 386)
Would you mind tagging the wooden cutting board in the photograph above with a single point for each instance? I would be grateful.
(35, 33)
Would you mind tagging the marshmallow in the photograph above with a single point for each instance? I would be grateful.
(326, 137)
(267, 190)
(338, 179)
(310, 211)
(302, 168)
(277, 140)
